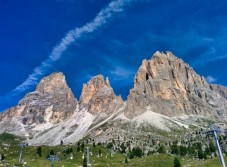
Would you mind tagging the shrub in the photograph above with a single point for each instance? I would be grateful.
(177, 162)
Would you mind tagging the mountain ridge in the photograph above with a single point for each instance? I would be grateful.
(171, 87)
(167, 94)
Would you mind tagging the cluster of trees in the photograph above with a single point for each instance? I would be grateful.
(179, 150)
(39, 152)
(68, 150)
(161, 149)
(109, 145)
(135, 152)
(80, 147)
(185, 149)
(193, 150)
(122, 148)
(196, 149)
(132, 153)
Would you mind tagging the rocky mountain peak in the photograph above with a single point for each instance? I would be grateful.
(95, 85)
(52, 102)
(98, 96)
(168, 67)
(164, 86)
(169, 86)
(51, 83)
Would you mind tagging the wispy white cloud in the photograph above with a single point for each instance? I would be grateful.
(209, 57)
(217, 58)
(207, 39)
(101, 19)
(211, 79)
(120, 72)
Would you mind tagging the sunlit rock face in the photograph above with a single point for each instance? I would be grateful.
(220, 89)
(98, 96)
(53, 101)
(169, 86)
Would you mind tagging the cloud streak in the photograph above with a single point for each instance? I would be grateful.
(72, 36)
(121, 73)
(211, 79)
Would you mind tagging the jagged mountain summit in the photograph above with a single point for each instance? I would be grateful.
(52, 101)
(51, 113)
(167, 94)
(98, 96)
(171, 87)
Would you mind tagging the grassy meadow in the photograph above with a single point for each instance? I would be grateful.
(75, 158)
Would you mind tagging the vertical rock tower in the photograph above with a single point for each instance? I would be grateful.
(98, 96)
(171, 87)
(53, 101)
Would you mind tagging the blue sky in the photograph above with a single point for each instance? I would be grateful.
(84, 38)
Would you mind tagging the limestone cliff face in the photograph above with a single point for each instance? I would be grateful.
(53, 101)
(171, 87)
(98, 96)
(219, 89)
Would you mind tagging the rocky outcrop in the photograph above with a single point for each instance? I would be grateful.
(219, 89)
(98, 96)
(171, 87)
(53, 102)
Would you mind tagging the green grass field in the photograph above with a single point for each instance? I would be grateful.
(32, 159)
(117, 160)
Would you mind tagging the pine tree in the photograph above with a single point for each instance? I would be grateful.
(200, 154)
(3, 157)
(109, 145)
(183, 150)
(85, 162)
(138, 152)
(161, 149)
(212, 147)
(131, 154)
(82, 146)
(123, 148)
(100, 152)
(126, 160)
(192, 151)
(177, 162)
(207, 151)
(39, 151)
(199, 146)
(51, 152)
(175, 149)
